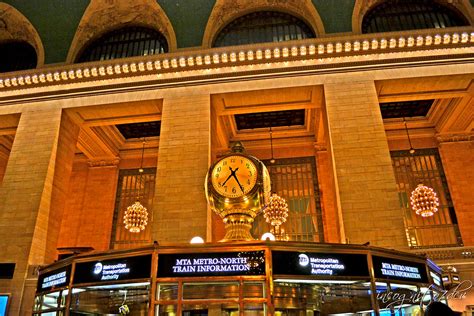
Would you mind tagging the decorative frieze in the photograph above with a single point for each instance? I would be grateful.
(319, 48)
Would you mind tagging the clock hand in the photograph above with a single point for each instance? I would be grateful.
(236, 179)
(230, 175)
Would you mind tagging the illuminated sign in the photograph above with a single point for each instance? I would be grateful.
(211, 264)
(54, 279)
(3, 304)
(436, 278)
(319, 264)
(111, 271)
(138, 267)
(402, 270)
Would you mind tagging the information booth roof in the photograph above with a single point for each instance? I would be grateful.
(327, 260)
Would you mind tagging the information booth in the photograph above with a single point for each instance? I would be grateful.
(240, 278)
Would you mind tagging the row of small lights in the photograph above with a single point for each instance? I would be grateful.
(242, 56)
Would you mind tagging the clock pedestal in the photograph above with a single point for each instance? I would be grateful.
(237, 227)
(237, 223)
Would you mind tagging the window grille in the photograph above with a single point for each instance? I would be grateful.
(270, 119)
(263, 27)
(125, 42)
(296, 181)
(401, 15)
(17, 56)
(424, 166)
(130, 184)
(402, 109)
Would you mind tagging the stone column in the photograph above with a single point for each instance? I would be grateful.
(32, 198)
(457, 155)
(180, 209)
(367, 193)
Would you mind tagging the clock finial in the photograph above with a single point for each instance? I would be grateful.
(237, 147)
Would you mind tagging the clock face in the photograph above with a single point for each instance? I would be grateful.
(234, 176)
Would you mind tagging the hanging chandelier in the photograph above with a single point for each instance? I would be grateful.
(135, 218)
(277, 210)
(276, 214)
(424, 201)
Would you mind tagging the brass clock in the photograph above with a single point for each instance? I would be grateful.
(237, 189)
(234, 176)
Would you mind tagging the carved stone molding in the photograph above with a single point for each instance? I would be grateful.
(453, 138)
(320, 147)
(318, 54)
(103, 162)
(452, 253)
(15, 26)
(225, 11)
(104, 16)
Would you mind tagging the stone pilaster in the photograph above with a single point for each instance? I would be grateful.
(180, 210)
(458, 161)
(366, 187)
(32, 198)
(331, 216)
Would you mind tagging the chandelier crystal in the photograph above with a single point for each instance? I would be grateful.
(276, 214)
(424, 201)
(135, 218)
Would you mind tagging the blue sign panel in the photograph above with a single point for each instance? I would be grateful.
(319, 264)
(138, 267)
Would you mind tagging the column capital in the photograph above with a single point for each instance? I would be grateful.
(320, 147)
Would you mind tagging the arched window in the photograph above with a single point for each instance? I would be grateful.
(400, 15)
(125, 42)
(262, 27)
(17, 56)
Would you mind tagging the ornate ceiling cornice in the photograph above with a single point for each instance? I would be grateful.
(453, 138)
(368, 47)
(103, 162)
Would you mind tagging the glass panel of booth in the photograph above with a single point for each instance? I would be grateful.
(215, 283)
(50, 303)
(113, 299)
(322, 297)
(408, 286)
(211, 309)
(167, 291)
(166, 310)
(210, 290)
(211, 297)
(401, 299)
